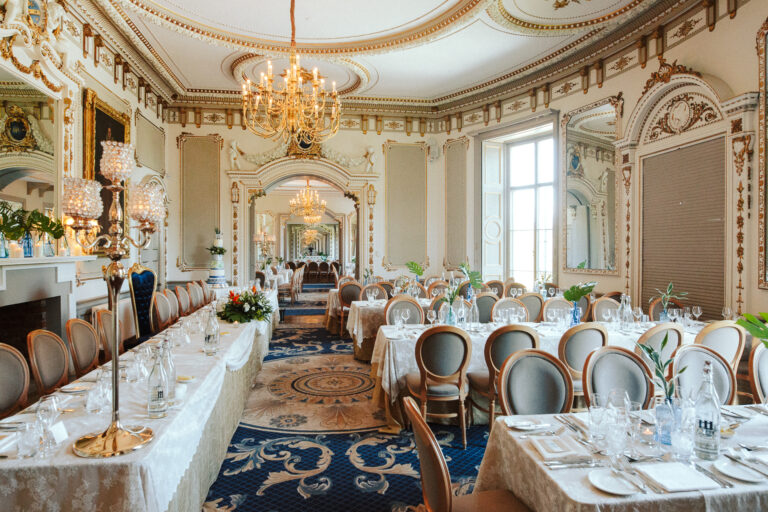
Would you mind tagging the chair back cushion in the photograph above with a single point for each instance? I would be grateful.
(557, 304)
(615, 368)
(510, 303)
(196, 295)
(693, 357)
(654, 337)
(398, 304)
(349, 292)
(507, 340)
(14, 380)
(533, 304)
(534, 382)
(387, 288)
(496, 287)
(173, 302)
(578, 342)
(485, 303)
(602, 305)
(50, 363)
(261, 277)
(758, 372)
(726, 338)
(584, 304)
(162, 310)
(142, 286)
(185, 305)
(84, 345)
(442, 351)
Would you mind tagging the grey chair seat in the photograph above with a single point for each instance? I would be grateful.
(478, 380)
(433, 389)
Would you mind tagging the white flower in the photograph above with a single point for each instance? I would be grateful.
(246, 307)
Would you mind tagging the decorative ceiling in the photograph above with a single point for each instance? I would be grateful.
(413, 52)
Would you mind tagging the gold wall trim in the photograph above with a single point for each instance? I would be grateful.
(91, 103)
(499, 14)
(762, 34)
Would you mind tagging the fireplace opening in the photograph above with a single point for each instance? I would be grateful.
(18, 320)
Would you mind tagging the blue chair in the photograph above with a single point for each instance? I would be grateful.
(143, 282)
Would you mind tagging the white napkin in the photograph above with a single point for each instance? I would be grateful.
(517, 423)
(7, 440)
(676, 476)
(564, 449)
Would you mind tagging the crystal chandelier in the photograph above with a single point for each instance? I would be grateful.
(310, 235)
(297, 111)
(307, 204)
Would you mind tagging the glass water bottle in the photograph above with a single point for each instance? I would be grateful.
(157, 399)
(707, 420)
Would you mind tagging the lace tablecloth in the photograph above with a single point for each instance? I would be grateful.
(332, 308)
(146, 479)
(514, 464)
(365, 318)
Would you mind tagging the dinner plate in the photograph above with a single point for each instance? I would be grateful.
(607, 481)
(75, 390)
(738, 471)
(185, 379)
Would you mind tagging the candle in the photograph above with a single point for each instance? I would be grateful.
(15, 250)
(37, 251)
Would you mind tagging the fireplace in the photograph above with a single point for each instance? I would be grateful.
(17, 320)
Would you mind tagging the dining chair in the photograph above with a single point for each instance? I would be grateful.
(654, 336)
(421, 291)
(534, 304)
(173, 301)
(335, 274)
(513, 284)
(509, 303)
(274, 269)
(381, 292)
(436, 486)
(550, 286)
(437, 303)
(485, 302)
(185, 305)
(496, 287)
(105, 330)
(323, 269)
(501, 343)
(291, 265)
(349, 292)
(431, 279)
(378, 279)
(725, 337)
(312, 270)
(162, 310)
(575, 346)
(656, 307)
(692, 358)
(443, 286)
(601, 305)
(615, 295)
(195, 295)
(48, 360)
(14, 381)
(616, 368)
(388, 288)
(207, 292)
(83, 345)
(532, 381)
(142, 283)
(344, 279)
(464, 289)
(404, 303)
(442, 355)
(261, 277)
(585, 303)
(556, 304)
(758, 372)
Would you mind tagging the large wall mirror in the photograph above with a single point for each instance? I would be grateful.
(28, 162)
(589, 194)
(762, 42)
(263, 237)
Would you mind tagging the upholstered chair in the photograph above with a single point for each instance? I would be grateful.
(380, 293)
(655, 308)
(485, 302)
(387, 288)
(437, 303)
(464, 289)
(83, 345)
(442, 355)
(509, 303)
(142, 283)
(105, 330)
(436, 486)
(335, 275)
(692, 357)
(323, 269)
(438, 285)
(206, 291)
(403, 303)
(758, 372)
(14, 381)
(48, 360)
(534, 304)
(421, 291)
(173, 302)
(185, 303)
(496, 287)
(550, 286)
(534, 382)
(348, 293)
(313, 270)
(429, 280)
(585, 303)
(616, 368)
(291, 265)
(196, 298)
(511, 283)
(654, 337)
(261, 277)
(600, 306)
(502, 343)
(616, 295)
(162, 312)
(726, 337)
(576, 345)
(344, 279)
(556, 304)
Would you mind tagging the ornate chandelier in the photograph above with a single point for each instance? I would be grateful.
(307, 204)
(310, 236)
(299, 110)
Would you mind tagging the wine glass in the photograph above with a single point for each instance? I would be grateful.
(46, 412)
(442, 313)
(406, 314)
(727, 313)
(551, 292)
(435, 292)
(637, 312)
(431, 316)
(696, 310)
(498, 316)
(674, 314)
(551, 315)
(606, 314)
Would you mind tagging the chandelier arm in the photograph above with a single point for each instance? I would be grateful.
(86, 242)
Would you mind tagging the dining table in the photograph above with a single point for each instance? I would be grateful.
(523, 462)
(176, 468)
(393, 357)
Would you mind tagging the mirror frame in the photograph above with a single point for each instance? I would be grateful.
(618, 104)
(762, 166)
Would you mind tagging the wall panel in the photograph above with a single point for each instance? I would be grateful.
(455, 151)
(150, 144)
(493, 210)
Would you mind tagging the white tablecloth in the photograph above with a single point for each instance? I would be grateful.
(514, 464)
(393, 353)
(365, 318)
(146, 479)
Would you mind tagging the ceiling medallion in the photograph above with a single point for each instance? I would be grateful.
(307, 204)
(296, 112)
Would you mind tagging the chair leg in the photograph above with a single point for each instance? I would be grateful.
(424, 409)
(463, 422)
(491, 410)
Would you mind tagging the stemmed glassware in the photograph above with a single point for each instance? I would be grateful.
(637, 312)
(696, 311)
(727, 313)
(431, 316)
(513, 292)
(551, 292)
(46, 413)
(674, 314)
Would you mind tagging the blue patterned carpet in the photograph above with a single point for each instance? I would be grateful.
(308, 440)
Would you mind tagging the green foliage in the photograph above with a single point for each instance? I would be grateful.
(217, 231)
(755, 327)
(660, 368)
(216, 250)
(246, 306)
(668, 295)
(474, 276)
(415, 268)
(583, 264)
(17, 223)
(577, 291)
(451, 295)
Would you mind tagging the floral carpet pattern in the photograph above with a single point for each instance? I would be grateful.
(309, 440)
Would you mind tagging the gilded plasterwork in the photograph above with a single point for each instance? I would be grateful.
(666, 72)
(684, 112)
(762, 35)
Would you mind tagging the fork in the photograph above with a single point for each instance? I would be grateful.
(543, 433)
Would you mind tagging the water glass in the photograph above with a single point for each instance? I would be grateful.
(682, 435)
(596, 414)
(616, 439)
(696, 310)
(727, 313)
(28, 442)
(442, 314)
(637, 312)
(369, 294)
(431, 316)
(46, 413)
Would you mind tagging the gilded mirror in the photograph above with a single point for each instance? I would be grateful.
(590, 191)
(263, 236)
(762, 42)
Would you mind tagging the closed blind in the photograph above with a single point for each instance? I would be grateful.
(684, 225)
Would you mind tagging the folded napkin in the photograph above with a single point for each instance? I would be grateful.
(676, 476)
(517, 423)
(7, 441)
(564, 449)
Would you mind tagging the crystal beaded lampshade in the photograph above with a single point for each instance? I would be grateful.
(117, 161)
(145, 204)
(82, 198)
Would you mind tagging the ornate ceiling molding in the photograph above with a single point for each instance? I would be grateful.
(666, 72)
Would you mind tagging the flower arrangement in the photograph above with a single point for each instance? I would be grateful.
(577, 291)
(216, 250)
(16, 223)
(450, 296)
(474, 277)
(246, 306)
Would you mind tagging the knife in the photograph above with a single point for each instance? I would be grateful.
(576, 466)
(746, 464)
(722, 482)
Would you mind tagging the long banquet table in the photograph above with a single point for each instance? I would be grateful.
(393, 357)
(514, 464)
(174, 471)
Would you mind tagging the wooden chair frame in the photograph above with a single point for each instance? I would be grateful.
(436, 284)
(507, 300)
(82, 367)
(699, 340)
(343, 304)
(514, 284)
(687, 348)
(576, 373)
(103, 340)
(495, 283)
(374, 286)
(541, 309)
(667, 326)
(548, 304)
(402, 298)
(757, 391)
(159, 325)
(594, 305)
(22, 400)
(657, 303)
(64, 379)
(171, 296)
(506, 407)
(190, 308)
(586, 380)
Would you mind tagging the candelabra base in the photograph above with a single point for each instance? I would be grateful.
(116, 440)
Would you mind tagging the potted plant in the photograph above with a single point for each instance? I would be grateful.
(574, 295)
(474, 277)
(665, 297)
(415, 269)
(667, 413)
(19, 224)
